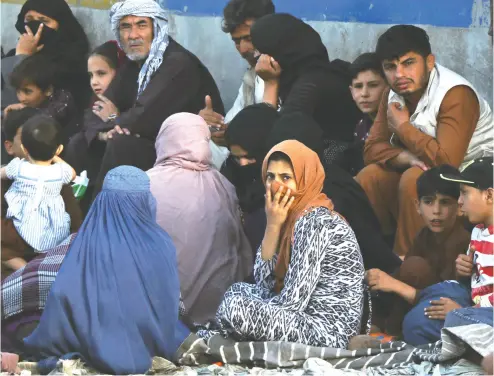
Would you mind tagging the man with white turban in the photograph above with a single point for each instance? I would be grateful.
(162, 78)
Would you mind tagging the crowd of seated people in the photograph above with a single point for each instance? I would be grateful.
(334, 199)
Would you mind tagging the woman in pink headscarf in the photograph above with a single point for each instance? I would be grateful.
(198, 207)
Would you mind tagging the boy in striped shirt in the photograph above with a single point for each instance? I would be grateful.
(470, 300)
(476, 202)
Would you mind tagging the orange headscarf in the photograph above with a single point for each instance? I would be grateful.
(309, 175)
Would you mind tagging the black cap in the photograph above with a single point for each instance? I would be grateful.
(477, 174)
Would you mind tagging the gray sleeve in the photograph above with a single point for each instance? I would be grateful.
(8, 93)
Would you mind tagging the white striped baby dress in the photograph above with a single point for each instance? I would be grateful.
(35, 204)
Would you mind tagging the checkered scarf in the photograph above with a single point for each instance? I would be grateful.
(144, 8)
(26, 290)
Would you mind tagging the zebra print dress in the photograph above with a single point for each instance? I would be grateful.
(321, 303)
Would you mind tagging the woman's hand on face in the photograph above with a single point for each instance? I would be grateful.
(104, 108)
(28, 42)
(268, 68)
(277, 207)
(13, 107)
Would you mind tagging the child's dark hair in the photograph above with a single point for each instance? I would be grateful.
(237, 12)
(41, 137)
(16, 119)
(36, 70)
(401, 39)
(430, 183)
(109, 52)
(366, 62)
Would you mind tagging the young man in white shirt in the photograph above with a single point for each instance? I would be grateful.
(238, 17)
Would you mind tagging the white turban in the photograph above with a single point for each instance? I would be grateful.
(144, 8)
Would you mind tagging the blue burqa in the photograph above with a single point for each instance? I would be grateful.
(116, 297)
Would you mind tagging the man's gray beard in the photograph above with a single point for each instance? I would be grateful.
(134, 56)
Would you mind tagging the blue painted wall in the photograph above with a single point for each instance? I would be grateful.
(445, 13)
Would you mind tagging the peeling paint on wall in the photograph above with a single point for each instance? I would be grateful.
(481, 13)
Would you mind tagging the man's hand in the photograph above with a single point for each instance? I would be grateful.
(28, 42)
(212, 118)
(397, 115)
(268, 68)
(440, 308)
(218, 137)
(464, 265)
(13, 107)
(104, 108)
(415, 162)
(215, 121)
(405, 160)
(103, 136)
(377, 280)
(117, 129)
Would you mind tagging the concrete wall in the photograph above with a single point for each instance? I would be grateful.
(457, 28)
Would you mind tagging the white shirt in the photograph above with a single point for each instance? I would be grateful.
(220, 153)
(239, 104)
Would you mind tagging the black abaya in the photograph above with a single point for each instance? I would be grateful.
(67, 48)
(309, 82)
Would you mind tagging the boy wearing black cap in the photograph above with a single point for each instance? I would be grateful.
(476, 201)
(450, 300)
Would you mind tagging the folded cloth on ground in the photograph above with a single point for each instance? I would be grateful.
(394, 358)
(388, 356)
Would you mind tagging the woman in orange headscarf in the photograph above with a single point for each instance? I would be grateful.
(309, 271)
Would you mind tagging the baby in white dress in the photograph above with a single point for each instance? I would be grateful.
(34, 201)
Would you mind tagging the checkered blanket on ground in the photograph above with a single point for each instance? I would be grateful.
(26, 290)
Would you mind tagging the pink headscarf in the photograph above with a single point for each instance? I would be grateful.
(198, 207)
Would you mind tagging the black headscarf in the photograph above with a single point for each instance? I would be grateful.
(250, 130)
(295, 45)
(67, 48)
(298, 126)
(309, 82)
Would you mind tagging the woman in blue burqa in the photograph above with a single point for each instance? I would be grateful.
(116, 298)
